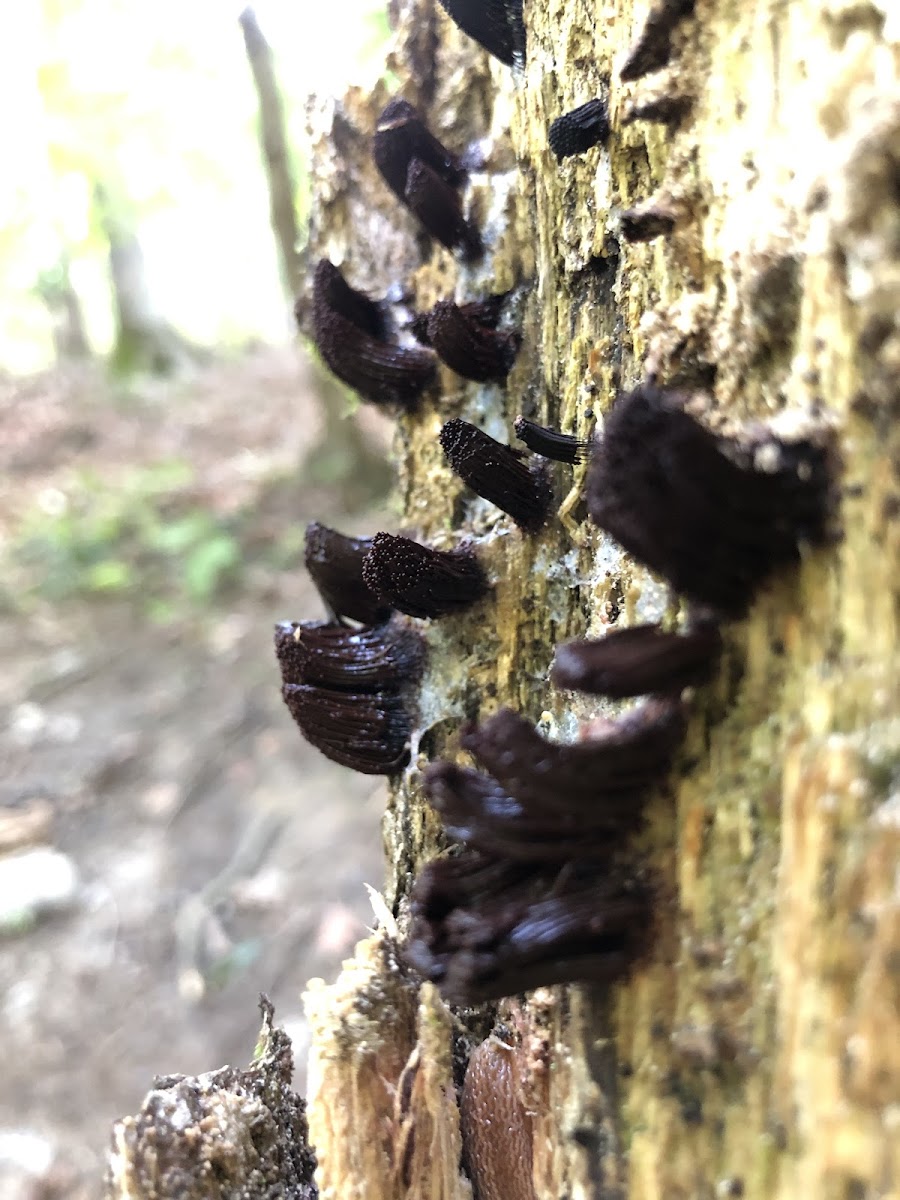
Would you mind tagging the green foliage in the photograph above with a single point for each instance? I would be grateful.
(148, 538)
(378, 31)
(209, 562)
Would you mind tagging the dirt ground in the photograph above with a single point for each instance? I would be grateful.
(203, 853)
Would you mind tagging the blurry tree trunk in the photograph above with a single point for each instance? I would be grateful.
(276, 155)
(344, 456)
(144, 340)
(756, 1052)
(70, 340)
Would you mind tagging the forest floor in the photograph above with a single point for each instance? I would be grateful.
(169, 846)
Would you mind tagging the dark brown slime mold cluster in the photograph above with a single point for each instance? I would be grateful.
(424, 176)
(354, 339)
(542, 883)
(345, 689)
(543, 886)
(496, 25)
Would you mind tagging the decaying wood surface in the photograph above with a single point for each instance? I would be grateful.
(756, 1052)
(225, 1135)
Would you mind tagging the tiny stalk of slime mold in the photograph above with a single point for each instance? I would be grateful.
(577, 131)
(485, 313)
(471, 349)
(358, 308)
(476, 810)
(400, 136)
(645, 222)
(602, 777)
(424, 176)
(497, 25)
(386, 657)
(498, 474)
(666, 109)
(420, 581)
(483, 928)
(550, 443)
(438, 207)
(653, 48)
(366, 731)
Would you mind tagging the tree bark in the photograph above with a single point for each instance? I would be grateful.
(755, 1052)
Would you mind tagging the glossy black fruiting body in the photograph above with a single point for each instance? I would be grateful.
(471, 349)
(438, 207)
(644, 223)
(366, 731)
(379, 370)
(638, 661)
(497, 473)
(497, 25)
(602, 778)
(383, 658)
(550, 443)
(577, 131)
(400, 136)
(695, 507)
(420, 581)
(334, 562)
(358, 308)
(477, 811)
(485, 313)
(424, 175)
(653, 49)
(483, 929)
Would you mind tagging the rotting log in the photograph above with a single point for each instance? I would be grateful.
(219, 1136)
(756, 1050)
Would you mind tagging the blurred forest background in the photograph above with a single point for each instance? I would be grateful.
(166, 838)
